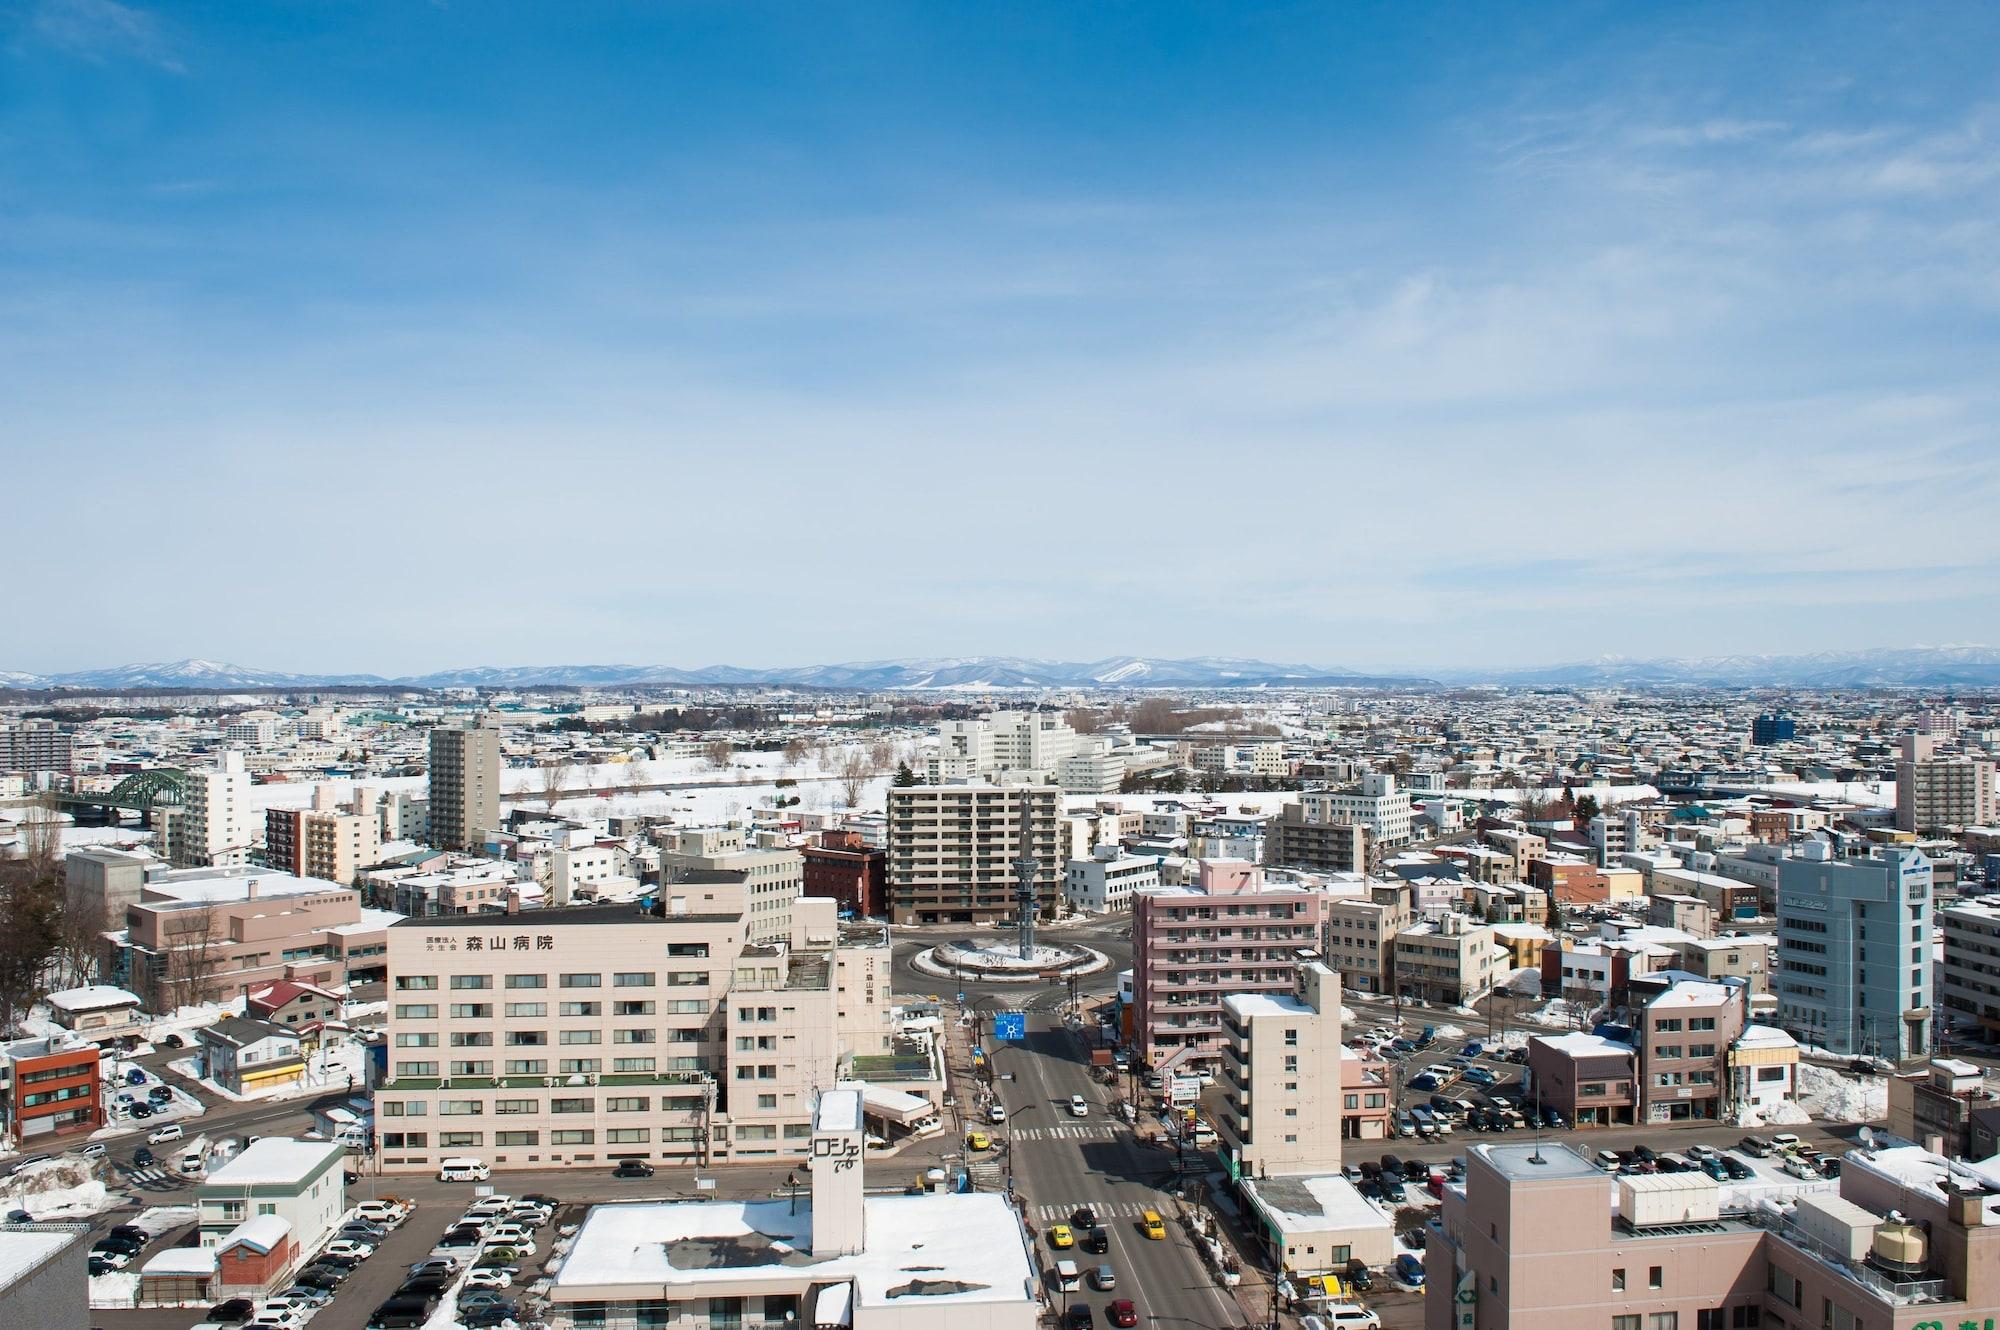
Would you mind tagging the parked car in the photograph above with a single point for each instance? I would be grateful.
(320, 1275)
(235, 1311)
(1392, 1190)
(1358, 1277)
(1425, 1081)
(344, 1248)
(435, 1265)
(1410, 1270)
(386, 1213)
(1737, 1169)
(272, 1316)
(138, 1111)
(1349, 1316)
(632, 1168)
(996, 1114)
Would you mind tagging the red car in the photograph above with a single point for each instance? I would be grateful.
(1122, 1313)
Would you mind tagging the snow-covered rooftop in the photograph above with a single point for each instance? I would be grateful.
(235, 886)
(1693, 993)
(22, 1253)
(839, 1110)
(371, 921)
(1765, 1036)
(92, 997)
(1921, 1170)
(1579, 1044)
(945, 1249)
(275, 1160)
(183, 1261)
(1265, 1004)
(1314, 1204)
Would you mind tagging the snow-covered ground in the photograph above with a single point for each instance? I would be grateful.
(1836, 1096)
(199, 1016)
(120, 1288)
(160, 1220)
(57, 1189)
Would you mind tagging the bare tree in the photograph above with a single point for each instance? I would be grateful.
(30, 913)
(1084, 722)
(193, 955)
(882, 753)
(854, 770)
(554, 776)
(80, 938)
(718, 752)
(796, 752)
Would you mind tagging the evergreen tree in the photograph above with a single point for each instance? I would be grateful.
(904, 776)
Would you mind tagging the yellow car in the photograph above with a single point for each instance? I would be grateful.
(1060, 1236)
(978, 1140)
(1151, 1225)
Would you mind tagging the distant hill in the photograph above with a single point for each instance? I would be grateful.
(999, 672)
(1910, 667)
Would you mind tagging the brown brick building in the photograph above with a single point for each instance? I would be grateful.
(843, 867)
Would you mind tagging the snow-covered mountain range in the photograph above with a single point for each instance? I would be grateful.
(1911, 667)
(940, 673)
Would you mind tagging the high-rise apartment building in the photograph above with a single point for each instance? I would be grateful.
(1281, 1078)
(952, 850)
(1968, 984)
(324, 841)
(35, 745)
(1936, 793)
(578, 1036)
(464, 786)
(212, 829)
(1854, 950)
(1296, 840)
(1192, 945)
(1377, 805)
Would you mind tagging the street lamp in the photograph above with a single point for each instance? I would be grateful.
(792, 1185)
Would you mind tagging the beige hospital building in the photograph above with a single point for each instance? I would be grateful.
(578, 1036)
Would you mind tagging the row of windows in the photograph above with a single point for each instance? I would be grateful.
(423, 983)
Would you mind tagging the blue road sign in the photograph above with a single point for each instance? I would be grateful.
(1010, 1025)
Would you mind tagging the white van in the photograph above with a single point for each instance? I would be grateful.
(1068, 1280)
(463, 1170)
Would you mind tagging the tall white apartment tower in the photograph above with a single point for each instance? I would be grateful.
(214, 830)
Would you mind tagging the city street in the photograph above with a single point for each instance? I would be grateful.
(1059, 1162)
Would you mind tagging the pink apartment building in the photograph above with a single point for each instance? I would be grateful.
(1192, 946)
(1532, 1238)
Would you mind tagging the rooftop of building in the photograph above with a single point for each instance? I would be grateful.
(92, 997)
(946, 1250)
(273, 1161)
(1765, 1036)
(1537, 1162)
(1694, 993)
(1265, 1004)
(221, 886)
(23, 1250)
(564, 915)
(1578, 1044)
(1313, 1203)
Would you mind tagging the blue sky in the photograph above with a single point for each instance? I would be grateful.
(393, 336)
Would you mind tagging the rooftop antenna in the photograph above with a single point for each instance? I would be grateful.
(1540, 1125)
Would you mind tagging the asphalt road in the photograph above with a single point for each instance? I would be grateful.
(1059, 1162)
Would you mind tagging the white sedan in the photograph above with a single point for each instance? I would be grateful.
(349, 1249)
(489, 1278)
(1077, 1108)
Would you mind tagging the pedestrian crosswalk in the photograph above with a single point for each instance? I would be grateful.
(1079, 1131)
(1059, 1212)
(148, 1177)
